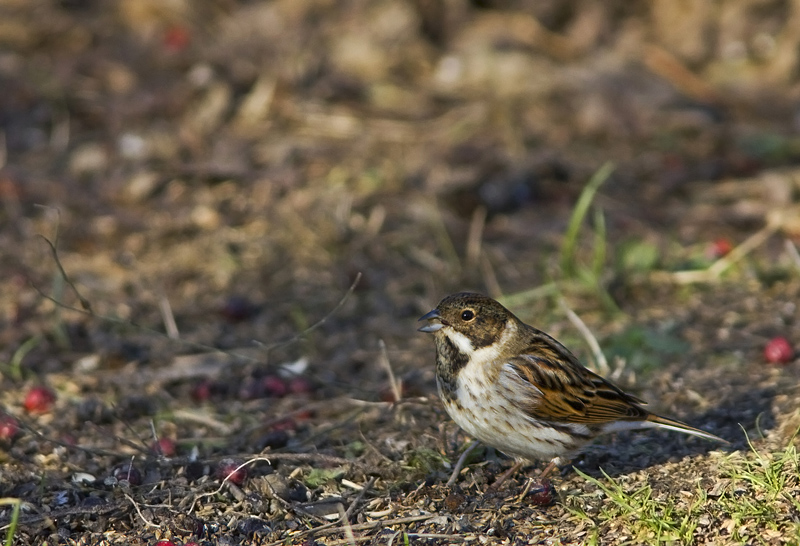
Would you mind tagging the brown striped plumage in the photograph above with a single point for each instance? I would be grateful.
(519, 390)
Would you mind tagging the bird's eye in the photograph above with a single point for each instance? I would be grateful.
(467, 315)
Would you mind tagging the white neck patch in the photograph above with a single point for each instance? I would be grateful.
(462, 342)
(484, 354)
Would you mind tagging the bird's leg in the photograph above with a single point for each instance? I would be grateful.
(460, 463)
(547, 470)
(505, 475)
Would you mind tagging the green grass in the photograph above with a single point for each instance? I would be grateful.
(763, 499)
(750, 498)
(644, 348)
(424, 460)
(569, 262)
(646, 519)
(320, 476)
(14, 365)
(577, 273)
(12, 526)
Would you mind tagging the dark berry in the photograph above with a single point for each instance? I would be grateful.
(195, 470)
(237, 309)
(542, 493)
(300, 385)
(202, 391)
(275, 386)
(230, 469)
(9, 427)
(93, 410)
(274, 439)
(128, 473)
(135, 405)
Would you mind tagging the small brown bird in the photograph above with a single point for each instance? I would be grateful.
(517, 389)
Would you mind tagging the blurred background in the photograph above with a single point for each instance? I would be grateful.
(249, 158)
(223, 170)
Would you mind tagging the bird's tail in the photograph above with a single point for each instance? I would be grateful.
(671, 424)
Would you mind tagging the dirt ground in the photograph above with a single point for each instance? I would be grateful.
(254, 201)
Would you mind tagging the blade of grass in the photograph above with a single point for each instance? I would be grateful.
(578, 214)
(15, 364)
(600, 360)
(12, 526)
(599, 258)
(520, 299)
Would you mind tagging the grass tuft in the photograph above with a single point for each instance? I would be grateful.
(647, 520)
(15, 364)
(754, 500)
(12, 526)
(569, 247)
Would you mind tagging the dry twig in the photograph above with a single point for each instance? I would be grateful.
(599, 358)
(387, 365)
(774, 223)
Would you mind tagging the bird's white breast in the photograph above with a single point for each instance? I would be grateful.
(487, 405)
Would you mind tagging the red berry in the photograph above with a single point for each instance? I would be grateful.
(275, 386)
(300, 385)
(720, 247)
(230, 469)
(285, 424)
(542, 493)
(165, 447)
(9, 427)
(39, 400)
(778, 351)
(165, 543)
(176, 38)
(191, 544)
(202, 391)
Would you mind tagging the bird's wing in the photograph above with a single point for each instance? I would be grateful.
(548, 383)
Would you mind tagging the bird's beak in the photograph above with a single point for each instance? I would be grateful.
(432, 326)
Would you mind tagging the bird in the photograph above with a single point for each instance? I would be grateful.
(517, 389)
